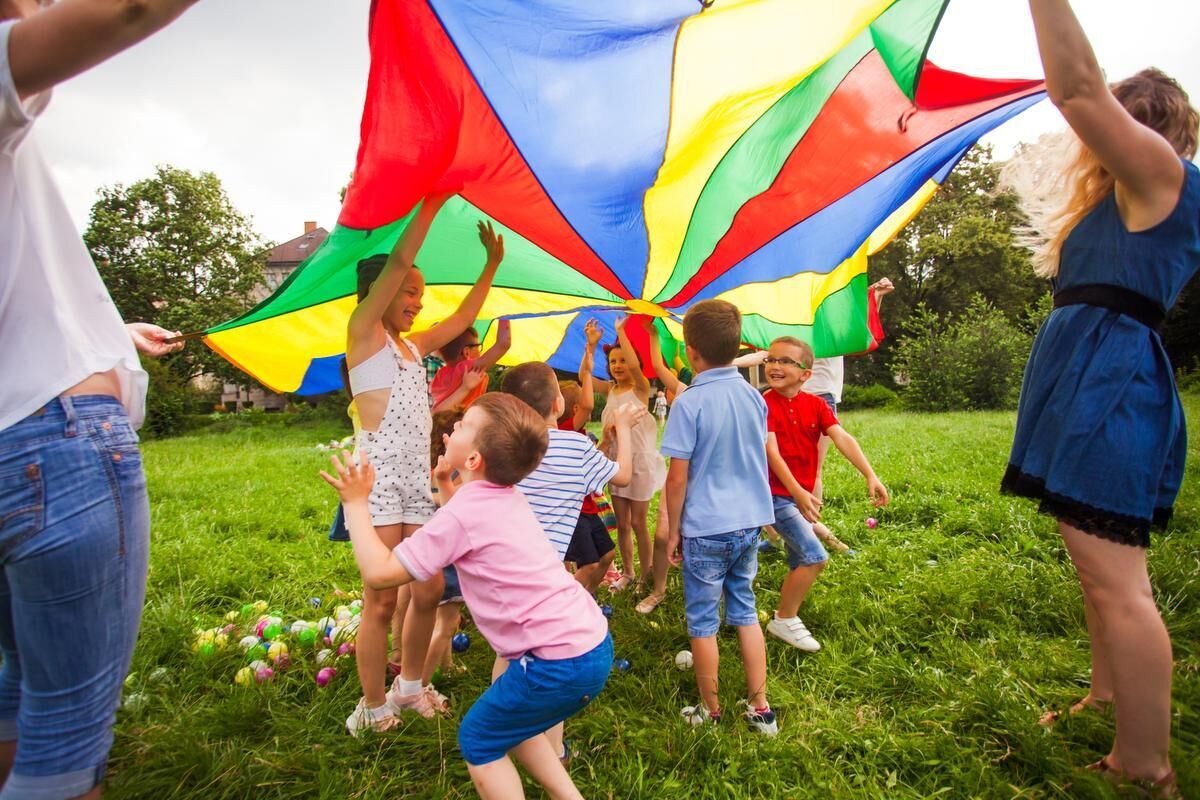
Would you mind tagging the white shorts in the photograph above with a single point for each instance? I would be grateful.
(401, 493)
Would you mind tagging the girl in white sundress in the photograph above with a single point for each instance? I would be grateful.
(632, 502)
(390, 391)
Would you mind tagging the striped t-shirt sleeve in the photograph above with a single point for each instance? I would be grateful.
(555, 490)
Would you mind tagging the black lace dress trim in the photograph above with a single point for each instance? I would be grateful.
(1119, 528)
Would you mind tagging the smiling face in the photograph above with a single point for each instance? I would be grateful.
(617, 367)
(403, 310)
(787, 367)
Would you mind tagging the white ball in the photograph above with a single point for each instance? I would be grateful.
(324, 655)
(683, 660)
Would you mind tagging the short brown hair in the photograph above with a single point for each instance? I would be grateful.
(533, 382)
(514, 440)
(713, 328)
(806, 351)
(571, 391)
(443, 424)
(452, 350)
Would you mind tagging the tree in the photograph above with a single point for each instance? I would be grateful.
(961, 245)
(172, 249)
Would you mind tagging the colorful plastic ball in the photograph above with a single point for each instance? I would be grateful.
(247, 642)
(160, 675)
(134, 701)
(324, 656)
(272, 631)
(307, 637)
(261, 626)
(232, 616)
(258, 664)
(247, 609)
(229, 629)
(460, 642)
(356, 605)
(347, 632)
(260, 606)
(315, 602)
(276, 650)
(872, 522)
(762, 616)
(205, 649)
(255, 653)
(244, 677)
(221, 641)
(346, 649)
(684, 660)
(263, 675)
(606, 610)
(622, 665)
(325, 675)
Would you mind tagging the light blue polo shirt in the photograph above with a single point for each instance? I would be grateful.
(720, 426)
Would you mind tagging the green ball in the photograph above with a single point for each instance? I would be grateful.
(247, 609)
(308, 637)
(256, 653)
(271, 631)
(207, 649)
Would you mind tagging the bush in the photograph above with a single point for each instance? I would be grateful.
(167, 400)
(972, 362)
(873, 396)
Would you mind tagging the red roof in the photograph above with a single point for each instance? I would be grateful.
(298, 249)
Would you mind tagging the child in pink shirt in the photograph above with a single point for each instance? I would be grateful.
(531, 611)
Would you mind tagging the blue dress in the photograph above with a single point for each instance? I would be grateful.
(1100, 436)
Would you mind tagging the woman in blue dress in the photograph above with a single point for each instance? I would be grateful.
(1100, 437)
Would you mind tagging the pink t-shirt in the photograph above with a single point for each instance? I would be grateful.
(450, 377)
(521, 598)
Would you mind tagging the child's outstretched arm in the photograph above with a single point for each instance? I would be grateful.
(670, 380)
(468, 309)
(809, 505)
(624, 419)
(592, 333)
(587, 388)
(496, 351)
(750, 359)
(380, 570)
(848, 446)
(365, 333)
(641, 384)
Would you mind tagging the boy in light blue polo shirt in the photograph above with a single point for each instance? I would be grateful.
(718, 497)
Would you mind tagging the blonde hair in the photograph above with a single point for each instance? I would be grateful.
(1060, 165)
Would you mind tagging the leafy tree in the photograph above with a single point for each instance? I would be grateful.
(172, 249)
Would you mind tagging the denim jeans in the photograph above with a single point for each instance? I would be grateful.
(804, 548)
(74, 543)
(716, 567)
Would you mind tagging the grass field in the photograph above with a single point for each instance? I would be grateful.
(956, 624)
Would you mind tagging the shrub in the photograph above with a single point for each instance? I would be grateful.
(974, 361)
(167, 400)
(873, 396)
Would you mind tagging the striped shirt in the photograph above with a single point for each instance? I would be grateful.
(571, 469)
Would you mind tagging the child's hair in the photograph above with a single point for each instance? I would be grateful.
(513, 441)
(806, 351)
(714, 330)
(452, 351)
(443, 423)
(571, 391)
(368, 270)
(535, 383)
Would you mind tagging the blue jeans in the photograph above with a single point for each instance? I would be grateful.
(803, 546)
(74, 543)
(719, 566)
(531, 697)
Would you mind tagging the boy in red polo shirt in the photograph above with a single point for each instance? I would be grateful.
(795, 423)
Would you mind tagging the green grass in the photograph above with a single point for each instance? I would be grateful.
(957, 623)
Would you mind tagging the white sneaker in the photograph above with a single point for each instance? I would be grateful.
(363, 718)
(759, 721)
(428, 702)
(792, 631)
(699, 715)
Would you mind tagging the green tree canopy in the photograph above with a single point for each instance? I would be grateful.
(173, 250)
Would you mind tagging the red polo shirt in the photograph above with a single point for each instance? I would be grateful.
(797, 423)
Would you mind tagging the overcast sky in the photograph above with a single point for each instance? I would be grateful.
(268, 94)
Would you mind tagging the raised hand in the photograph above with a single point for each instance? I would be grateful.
(493, 243)
(151, 339)
(473, 377)
(593, 333)
(354, 477)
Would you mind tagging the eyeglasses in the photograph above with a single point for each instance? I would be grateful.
(787, 362)
(472, 345)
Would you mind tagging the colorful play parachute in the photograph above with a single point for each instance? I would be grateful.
(638, 156)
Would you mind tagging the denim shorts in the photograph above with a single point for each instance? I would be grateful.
(453, 592)
(531, 697)
(74, 540)
(719, 566)
(829, 401)
(803, 546)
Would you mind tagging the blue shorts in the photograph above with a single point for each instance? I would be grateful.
(829, 401)
(453, 592)
(803, 546)
(531, 697)
(719, 566)
(74, 544)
